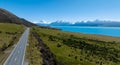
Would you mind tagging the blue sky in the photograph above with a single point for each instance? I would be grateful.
(68, 10)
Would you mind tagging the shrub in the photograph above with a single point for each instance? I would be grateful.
(0, 31)
(75, 57)
(58, 45)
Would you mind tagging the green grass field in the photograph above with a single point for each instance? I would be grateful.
(9, 35)
(81, 49)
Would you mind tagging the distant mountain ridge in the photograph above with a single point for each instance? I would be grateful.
(8, 17)
(96, 23)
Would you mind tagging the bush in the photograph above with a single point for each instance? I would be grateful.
(58, 45)
(75, 57)
(0, 31)
(51, 38)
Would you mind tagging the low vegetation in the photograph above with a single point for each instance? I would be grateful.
(80, 49)
(9, 35)
(38, 53)
(33, 55)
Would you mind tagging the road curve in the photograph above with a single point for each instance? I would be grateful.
(18, 53)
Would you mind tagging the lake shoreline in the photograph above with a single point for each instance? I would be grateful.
(91, 34)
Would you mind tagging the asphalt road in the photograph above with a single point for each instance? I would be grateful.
(18, 53)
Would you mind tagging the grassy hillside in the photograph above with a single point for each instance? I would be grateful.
(9, 35)
(80, 49)
(8, 17)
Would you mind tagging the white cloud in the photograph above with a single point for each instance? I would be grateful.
(35, 22)
(44, 22)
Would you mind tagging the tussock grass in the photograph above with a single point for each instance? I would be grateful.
(9, 35)
(8, 31)
(81, 49)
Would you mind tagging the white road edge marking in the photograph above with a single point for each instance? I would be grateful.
(15, 59)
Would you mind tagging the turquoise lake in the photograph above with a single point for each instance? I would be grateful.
(109, 31)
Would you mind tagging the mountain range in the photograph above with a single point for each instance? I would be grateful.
(96, 23)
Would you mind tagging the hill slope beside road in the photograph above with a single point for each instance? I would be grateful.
(9, 36)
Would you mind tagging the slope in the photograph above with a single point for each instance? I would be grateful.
(8, 17)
